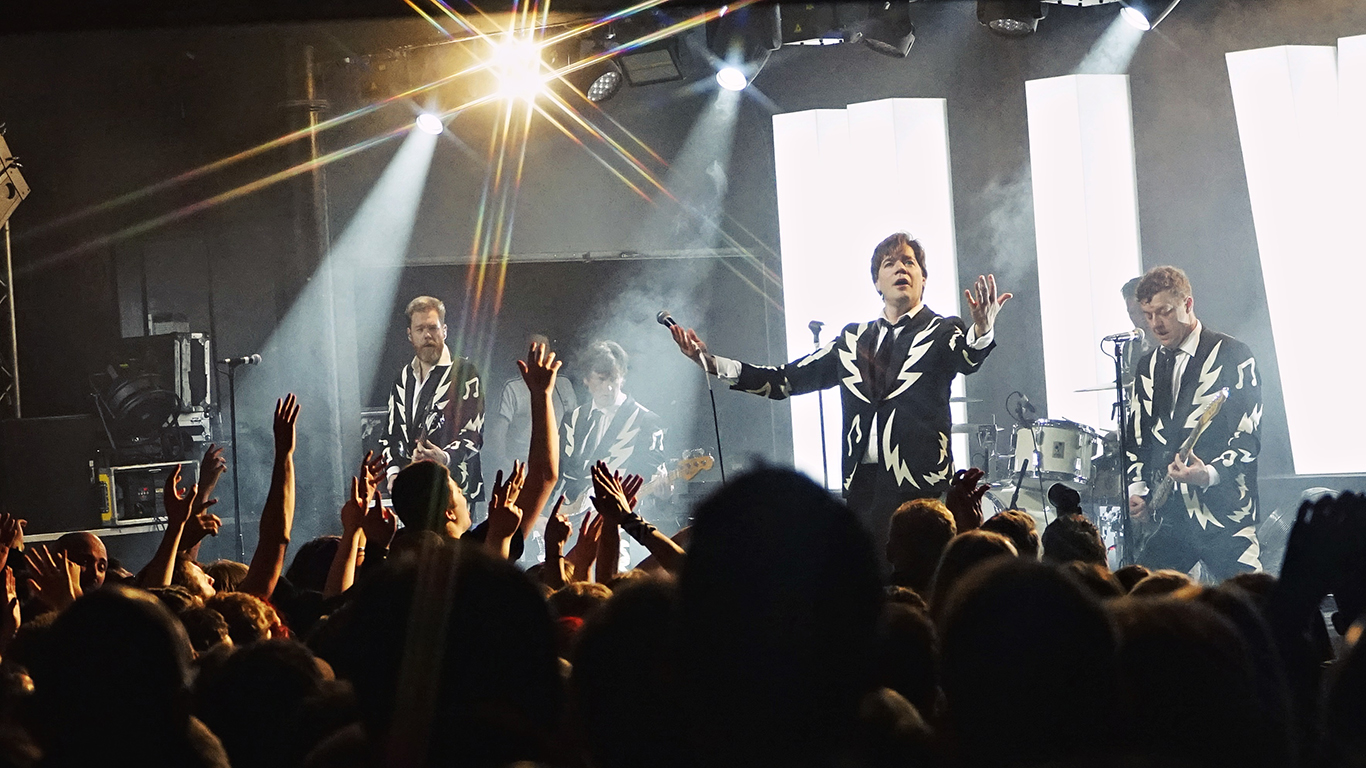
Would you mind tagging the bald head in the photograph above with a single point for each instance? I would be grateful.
(87, 551)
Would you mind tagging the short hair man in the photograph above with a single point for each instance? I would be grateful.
(894, 375)
(611, 427)
(919, 532)
(1211, 515)
(88, 552)
(436, 405)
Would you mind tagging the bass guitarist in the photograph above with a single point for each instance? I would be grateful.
(1210, 515)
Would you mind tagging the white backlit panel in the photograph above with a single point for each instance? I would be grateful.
(846, 179)
(1081, 153)
(1300, 150)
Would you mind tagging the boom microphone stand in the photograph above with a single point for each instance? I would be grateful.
(1122, 408)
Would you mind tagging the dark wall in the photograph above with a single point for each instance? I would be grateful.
(98, 115)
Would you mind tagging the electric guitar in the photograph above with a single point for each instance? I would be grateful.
(1160, 482)
(693, 462)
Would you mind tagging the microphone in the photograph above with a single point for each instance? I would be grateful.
(665, 319)
(1134, 335)
(1025, 405)
(236, 361)
(815, 327)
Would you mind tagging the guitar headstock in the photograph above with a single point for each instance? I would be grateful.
(1211, 409)
(690, 466)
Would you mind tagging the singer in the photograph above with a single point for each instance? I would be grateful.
(894, 375)
(436, 406)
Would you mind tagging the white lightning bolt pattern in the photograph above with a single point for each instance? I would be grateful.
(1209, 378)
(476, 423)
(1250, 421)
(1147, 383)
(1252, 556)
(1158, 427)
(569, 435)
(817, 355)
(919, 346)
(1197, 510)
(1240, 514)
(854, 436)
(762, 391)
(891, 457)
(849, 359)
(943, 474)
(622, 449)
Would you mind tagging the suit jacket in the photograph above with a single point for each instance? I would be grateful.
(913, 419)
(1230, 444)
(448, 410)
(633, 444)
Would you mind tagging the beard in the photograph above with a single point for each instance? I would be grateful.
(429, 355)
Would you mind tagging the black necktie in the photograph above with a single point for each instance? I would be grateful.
(1162, 383)
(884, 374)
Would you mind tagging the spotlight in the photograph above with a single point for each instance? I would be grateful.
(429, 123)
(732, 79)
(744, 38)
(889, 30)
(605, 85)
(517, 65)
(1011, 18)
(1146, 14)
(597, 82)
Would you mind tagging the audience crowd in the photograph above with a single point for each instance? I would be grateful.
(779, 635)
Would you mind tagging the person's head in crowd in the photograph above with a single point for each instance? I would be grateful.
(605, 365)
(123, 647)
(311, 563)
(1018, 526)
(1028, 669)
(965, 552)
(1189, 677)
(191, 576)
(226, 574)
(1073, 537)
(87, 551)
(249, 618)
(206, 628)
(1164, 295)
(908, 597)
(621, 687)
(1096, 578)
(1161, 583)
(177, 598)
(916, 537)
(425, 498)
(427, 328)
(268, 704)
(1065, 499)
(1130, 575)
(1257, 584)
(580, 599)
(495, 674)
(777, 630)
(26, 648)
(908, 648)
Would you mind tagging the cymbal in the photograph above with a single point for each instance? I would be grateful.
(1097, 388)
(964, 400)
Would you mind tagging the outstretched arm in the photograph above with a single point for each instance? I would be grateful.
(615, 499)
(539, 371)
(342, 574)
(178, 504)
(505, 516)
(277, 517)
(557, 532)
(818, 370)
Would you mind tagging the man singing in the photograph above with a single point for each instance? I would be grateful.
(1211, 515)
(894, 375)
(436, 407)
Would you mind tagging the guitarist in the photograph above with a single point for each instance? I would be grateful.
(1210, 515)
(611, 427)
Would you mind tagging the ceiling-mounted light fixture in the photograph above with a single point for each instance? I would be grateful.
(1146, 14)
(1011, 18)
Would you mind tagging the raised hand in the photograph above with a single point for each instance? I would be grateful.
(200, 525)
(374, 468)
(353, 509)
(211, 469)
(984, 303)
(585, 550)
(609, 498)
(686, 338)
(178, 503)
(11, 532)
(286, 417)
(631, 486)
(10, 614)
(540, 369)
(504, 514)
(557, 528)
(54, 579)
(964, 498)
(380, 525)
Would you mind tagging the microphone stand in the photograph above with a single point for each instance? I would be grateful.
(815, 327)
(715, 420)
(1126, 554)
(236, 493)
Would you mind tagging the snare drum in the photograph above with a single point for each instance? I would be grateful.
(1065, 449)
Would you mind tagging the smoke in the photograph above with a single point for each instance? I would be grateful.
(1005, 231)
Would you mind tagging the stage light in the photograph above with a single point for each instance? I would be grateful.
(732, 79)
(889, 30)
(1011, 18)
(429, 123)
(605, 85)
(517, 65)
(1146, 14)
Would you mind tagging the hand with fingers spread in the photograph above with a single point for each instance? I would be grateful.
(504, 514)
(200, 525)
(585, 550)
(54, 579)
(178, 503)
(964, 498)
(285, 426)
(691, 346)
(609, 498)
(211, 469)
(373, 467)
(380, 526)
(984, 303)
(539, 369)
(342, 573)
